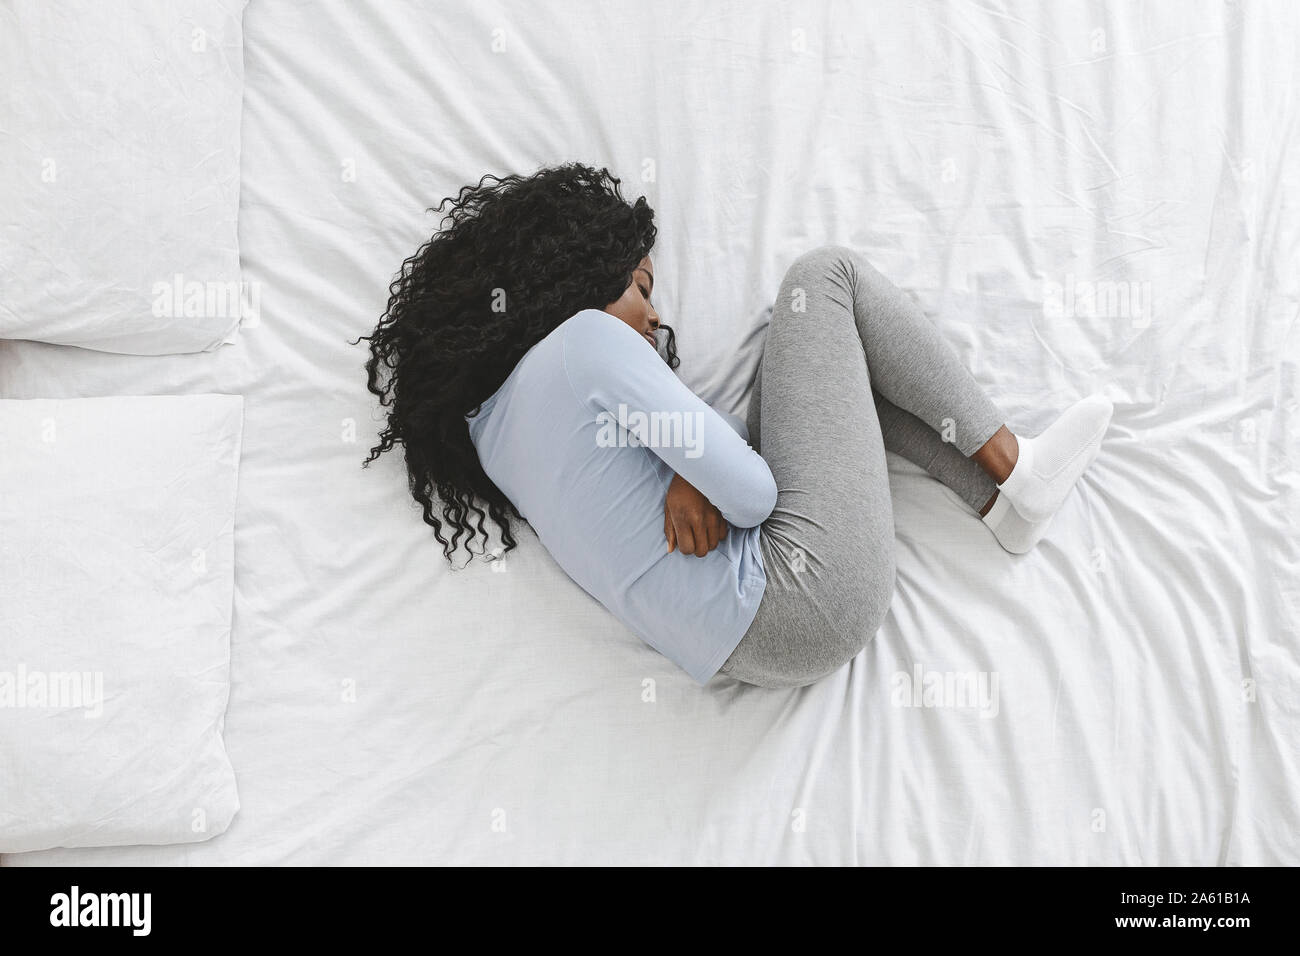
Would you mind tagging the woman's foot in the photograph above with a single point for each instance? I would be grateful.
(1013, 532)
(1048, 465)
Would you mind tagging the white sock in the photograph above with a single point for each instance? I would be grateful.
(1049, 464)
(1013, 532)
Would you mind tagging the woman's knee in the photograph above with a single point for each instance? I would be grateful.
(837, 262)
(814, 657)
(806, 674)
(830, 259)
(826, 274)
(876, 590)
(873, 590)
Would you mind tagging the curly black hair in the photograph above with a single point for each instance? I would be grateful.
(513, 258)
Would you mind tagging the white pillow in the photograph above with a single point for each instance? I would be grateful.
(119, 173)
(116, 583)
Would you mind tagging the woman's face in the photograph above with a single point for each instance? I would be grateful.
(634, 307)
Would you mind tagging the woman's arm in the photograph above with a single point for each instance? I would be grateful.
(621, 377)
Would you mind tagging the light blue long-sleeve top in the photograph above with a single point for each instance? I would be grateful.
(584, 438)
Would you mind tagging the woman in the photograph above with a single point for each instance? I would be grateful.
(528, 375)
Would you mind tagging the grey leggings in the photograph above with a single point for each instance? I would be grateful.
(851, 367)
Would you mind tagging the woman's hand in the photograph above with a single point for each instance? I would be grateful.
(691, 523)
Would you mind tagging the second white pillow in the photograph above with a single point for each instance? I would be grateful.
(117, 524)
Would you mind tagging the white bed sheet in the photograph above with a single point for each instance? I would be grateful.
(1147, 656)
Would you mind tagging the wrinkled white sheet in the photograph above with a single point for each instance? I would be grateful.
(985, 156)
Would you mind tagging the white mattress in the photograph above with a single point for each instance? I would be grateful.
(1147, 656)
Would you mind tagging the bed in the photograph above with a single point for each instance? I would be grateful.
(1093, 197)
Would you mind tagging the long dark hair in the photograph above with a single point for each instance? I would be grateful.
(513, 258)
